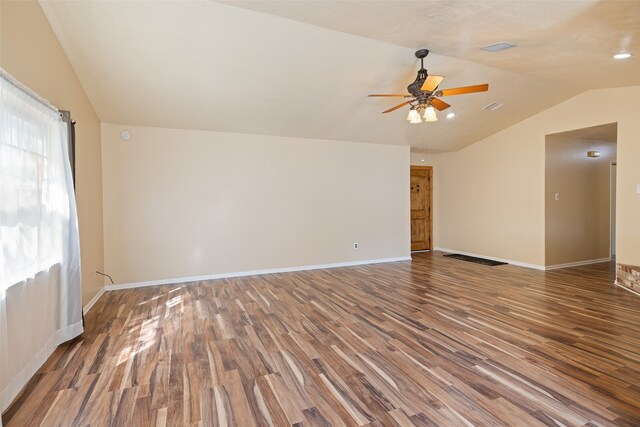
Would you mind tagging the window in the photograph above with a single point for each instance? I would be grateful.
(34, 201)
(40, 286)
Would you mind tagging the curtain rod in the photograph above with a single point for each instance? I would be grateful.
(25, 89)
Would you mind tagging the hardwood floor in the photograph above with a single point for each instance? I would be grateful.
(434, 341)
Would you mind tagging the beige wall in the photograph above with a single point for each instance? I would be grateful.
(577, 223)
(189, 203)
(491, 199)
(491, 195)
(30, 51)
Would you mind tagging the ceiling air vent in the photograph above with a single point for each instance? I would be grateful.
(497, 47)
(493, 106)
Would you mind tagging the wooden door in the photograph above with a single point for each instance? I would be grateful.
(421, 218)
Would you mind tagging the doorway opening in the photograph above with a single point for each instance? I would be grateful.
(421, 195)
(580, 196)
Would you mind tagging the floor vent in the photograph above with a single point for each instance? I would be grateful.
(476, 260)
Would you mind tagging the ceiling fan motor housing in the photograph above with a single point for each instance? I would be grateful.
(415, 88)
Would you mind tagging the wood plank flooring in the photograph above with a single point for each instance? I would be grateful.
(434, 341)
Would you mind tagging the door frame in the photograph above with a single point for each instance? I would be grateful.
(429, 204)
(613, 178)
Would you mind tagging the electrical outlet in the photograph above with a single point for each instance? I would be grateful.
(355, 245)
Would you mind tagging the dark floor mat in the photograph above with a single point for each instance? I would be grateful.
(482, 261)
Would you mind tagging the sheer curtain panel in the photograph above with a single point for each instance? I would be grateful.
(40, 290)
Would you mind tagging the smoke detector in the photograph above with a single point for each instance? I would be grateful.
(125, 135)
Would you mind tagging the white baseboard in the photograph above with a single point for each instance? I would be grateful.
(625, 288)
(524, 264)
(509, 261)
(577, 263)
(249, 273)
(93, 300)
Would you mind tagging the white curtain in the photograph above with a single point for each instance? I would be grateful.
(40, 290)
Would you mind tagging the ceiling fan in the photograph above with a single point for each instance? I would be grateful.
(425, 95)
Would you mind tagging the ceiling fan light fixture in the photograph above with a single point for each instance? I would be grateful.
(451, 115)
(430, 114)
(414, 116)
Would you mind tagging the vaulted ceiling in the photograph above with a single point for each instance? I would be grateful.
(303, 68)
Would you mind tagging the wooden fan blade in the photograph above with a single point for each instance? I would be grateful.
(397, 106)
(431, 83)
(439, 104)
(465, 89)
(390, 95)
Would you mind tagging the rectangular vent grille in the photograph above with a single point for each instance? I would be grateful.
(497, 47)
(493, 106)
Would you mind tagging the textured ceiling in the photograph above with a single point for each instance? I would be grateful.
(605, 133)
(304, 68)
(568, 41)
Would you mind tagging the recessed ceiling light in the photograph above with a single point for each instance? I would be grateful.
(496, 47)
(451, 115)
(622, 55)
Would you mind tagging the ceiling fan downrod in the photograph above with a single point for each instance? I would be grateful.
(415, 87)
